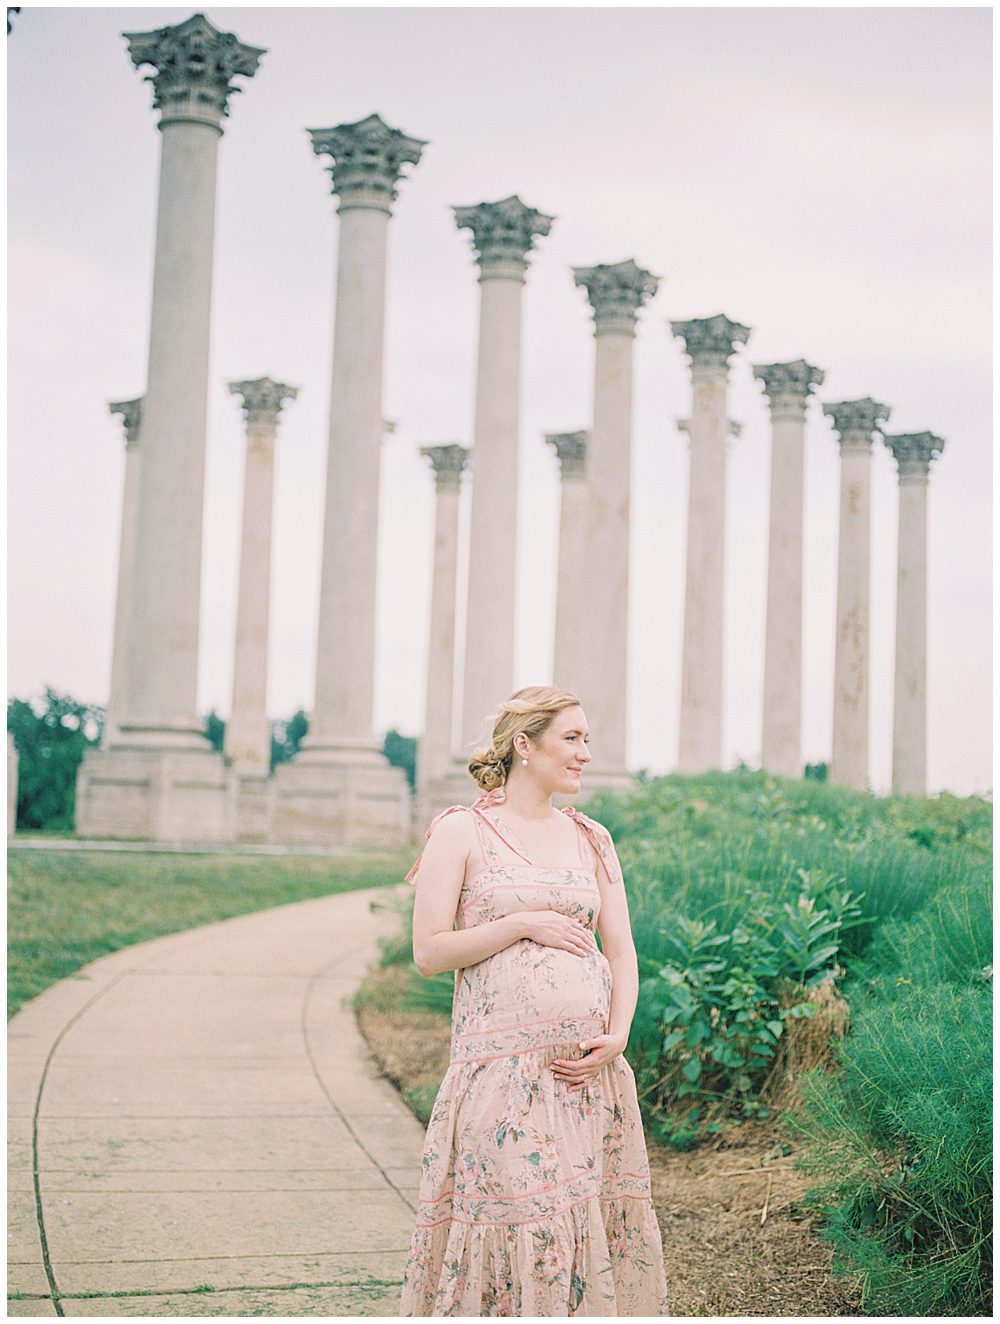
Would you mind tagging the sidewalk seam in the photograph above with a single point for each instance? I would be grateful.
(39, 1214)
(319, 1080)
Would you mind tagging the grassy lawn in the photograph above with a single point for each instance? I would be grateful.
(65, 908)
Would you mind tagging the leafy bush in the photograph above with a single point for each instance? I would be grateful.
(714, 1013)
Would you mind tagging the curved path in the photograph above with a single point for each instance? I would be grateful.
(196, 1128)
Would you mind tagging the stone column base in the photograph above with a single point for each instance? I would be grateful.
(155, 795)
(345, 803)
(454, 787)
(254, 808)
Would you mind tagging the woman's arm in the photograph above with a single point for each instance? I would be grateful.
(615, 928)
(438, 945)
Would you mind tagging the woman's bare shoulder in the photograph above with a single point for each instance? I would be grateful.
(454, 828)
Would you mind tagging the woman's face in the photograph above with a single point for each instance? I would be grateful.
(560, 754)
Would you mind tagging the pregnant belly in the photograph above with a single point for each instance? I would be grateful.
(549, 983)
(530, 995)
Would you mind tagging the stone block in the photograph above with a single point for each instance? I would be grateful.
(176, 795)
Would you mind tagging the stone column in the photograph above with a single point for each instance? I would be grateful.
(165, 782)
(855, 421)
(340, 788)
(248, 734)
(913, 453)
(572, 611)
(436, 746)
(788, 387)
(616, 294)
(131, 416)
(710, 342)
(503, 233)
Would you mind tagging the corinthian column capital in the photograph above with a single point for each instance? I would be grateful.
(734, 430)
(855, 421)
(616, 293)
(195, 66)
(503, 234)
(262, 400)
(131, 416)
(913, 452)
(571, 448)
(368, 159)
(788, 386)
(448, 463)
(710, 342)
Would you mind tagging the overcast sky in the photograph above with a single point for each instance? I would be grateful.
(821, 175)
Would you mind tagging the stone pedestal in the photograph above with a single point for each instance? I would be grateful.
(616, 293)
(254, 807)
(248, 732)
(571, 624)
(503, 234)
(788, 387)
(173, 795)
(855, 422)
(710, 342)
(358, 802)
(340, 789)
(131, 416)
(161, 776)
(913, 453)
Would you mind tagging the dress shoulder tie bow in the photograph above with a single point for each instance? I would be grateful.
(600, 838)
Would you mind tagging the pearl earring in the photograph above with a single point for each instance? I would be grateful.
(524, 763)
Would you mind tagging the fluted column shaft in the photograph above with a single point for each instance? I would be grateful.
(855, 422)
(787, 386)
(248, 732)
(345, 675)
(503, 233)
(367, 162)
(131, 412)
(436, 746)
(196, 63)
(248, 742)
(710, 342)
(914, 453)
(909, 717)
(489, 618)
(572, 599)
(616, 293)
(164, 670)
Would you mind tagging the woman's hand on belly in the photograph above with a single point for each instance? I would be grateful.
(550, 928)
(576, 1072)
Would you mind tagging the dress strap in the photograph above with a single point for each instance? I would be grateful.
(600, 838)
(485, 843)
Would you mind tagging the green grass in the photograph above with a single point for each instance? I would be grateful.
(65, 908)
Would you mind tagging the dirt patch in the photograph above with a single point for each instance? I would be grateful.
(719, 1257)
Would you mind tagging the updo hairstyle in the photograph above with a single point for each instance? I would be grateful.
(530, 710)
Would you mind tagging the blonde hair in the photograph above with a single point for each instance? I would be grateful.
(530, 710)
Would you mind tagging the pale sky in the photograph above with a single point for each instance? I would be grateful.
(821, 175)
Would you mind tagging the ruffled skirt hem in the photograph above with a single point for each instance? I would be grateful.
(599, 1257)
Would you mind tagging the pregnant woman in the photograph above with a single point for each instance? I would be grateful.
(535, 1194)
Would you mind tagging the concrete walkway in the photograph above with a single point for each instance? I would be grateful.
(196, 1128)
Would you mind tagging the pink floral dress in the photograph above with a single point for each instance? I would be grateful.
(534, 1199)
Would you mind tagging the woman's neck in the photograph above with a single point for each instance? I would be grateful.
(524, 798)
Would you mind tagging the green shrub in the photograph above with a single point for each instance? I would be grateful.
(901, 1139)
